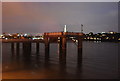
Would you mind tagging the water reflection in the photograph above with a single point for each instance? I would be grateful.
(79, 57)
(35, 63)
(76, 65)
(12, 48)
(17, 48)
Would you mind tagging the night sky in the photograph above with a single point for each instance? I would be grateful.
(39, 17)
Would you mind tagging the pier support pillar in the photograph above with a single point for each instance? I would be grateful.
(46, 47)
(12, 48)
(27, 48)
(62, 50)
(79, 50)
(17, 48)
(37, 48)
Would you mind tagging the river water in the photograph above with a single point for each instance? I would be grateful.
(99, 61)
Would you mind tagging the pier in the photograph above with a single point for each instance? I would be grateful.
(53, 37)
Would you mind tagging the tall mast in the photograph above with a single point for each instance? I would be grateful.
(81, 28)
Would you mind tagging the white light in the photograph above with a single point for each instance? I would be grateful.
(9, 34)
(18, 35)
(88, 37)
(73, 39)
(98, 38)
(58, 37)
(103, 32)
(91, 38)
(107, 38)
(103, 35)
(33, 38)
(76, 40)
(65, 29)
(94, 38)
(111, 32)
(25, 34)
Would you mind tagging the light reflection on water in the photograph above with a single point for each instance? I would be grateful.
(99, 61)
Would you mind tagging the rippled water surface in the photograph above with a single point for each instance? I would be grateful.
(99, 61)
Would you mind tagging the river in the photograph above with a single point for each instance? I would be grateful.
(99, 61)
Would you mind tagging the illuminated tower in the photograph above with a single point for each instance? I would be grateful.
(65, 29)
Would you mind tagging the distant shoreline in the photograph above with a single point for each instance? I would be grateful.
(42, 41)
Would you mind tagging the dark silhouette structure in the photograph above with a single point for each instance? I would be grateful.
(57, 37)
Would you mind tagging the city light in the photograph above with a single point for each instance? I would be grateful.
(110, 36)
(25, 34)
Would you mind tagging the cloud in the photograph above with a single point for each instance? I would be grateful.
(50, 17)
